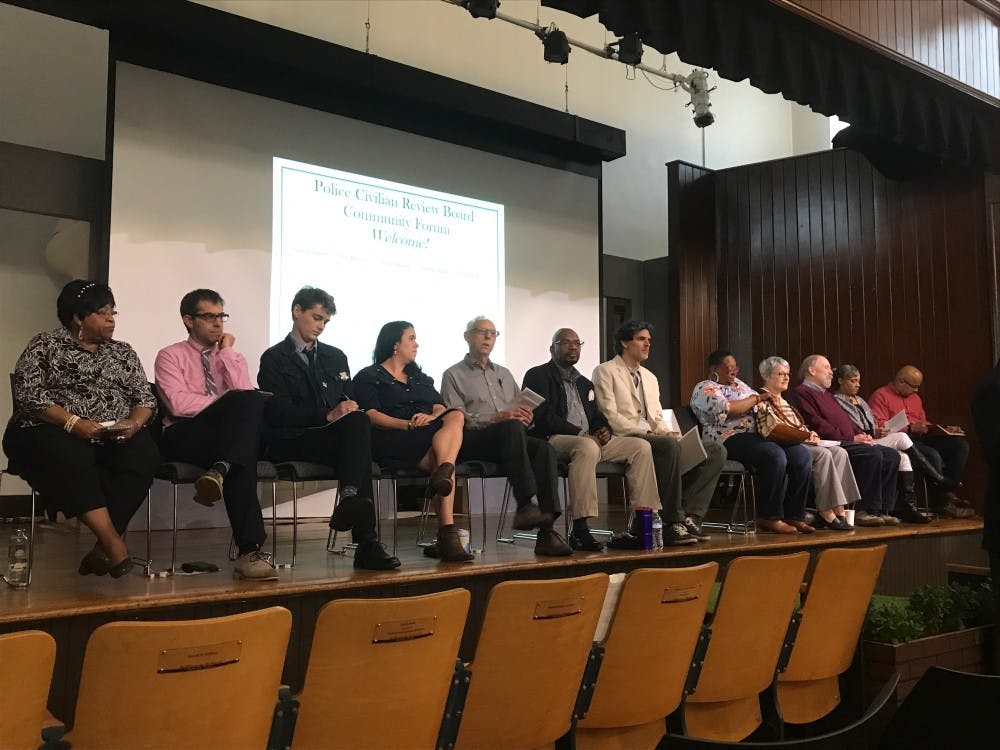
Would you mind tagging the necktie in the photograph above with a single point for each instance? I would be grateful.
(210, 388)
(311, 356)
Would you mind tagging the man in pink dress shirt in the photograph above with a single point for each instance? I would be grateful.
(947, 453)
(213, 417)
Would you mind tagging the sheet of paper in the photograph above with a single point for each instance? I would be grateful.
(898, 423)
(828, 443)
(692, 451)
(936, 429)
(528, 399)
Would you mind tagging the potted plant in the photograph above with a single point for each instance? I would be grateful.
(936, 625)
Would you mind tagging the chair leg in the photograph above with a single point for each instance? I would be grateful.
(31, 537)
(422, 526)
(173, 540)
(147, 562)
(503, 516)
(295, 523)
(274, 523)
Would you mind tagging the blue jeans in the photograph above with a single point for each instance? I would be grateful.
(774, 463)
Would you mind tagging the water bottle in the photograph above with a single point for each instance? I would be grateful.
(17, 560)
(657, 530)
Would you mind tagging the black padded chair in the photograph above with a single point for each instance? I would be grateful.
(14, 471)
(743, 518)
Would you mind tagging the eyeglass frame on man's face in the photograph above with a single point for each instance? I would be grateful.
(209, 317)
(910, 385)
(489, 333)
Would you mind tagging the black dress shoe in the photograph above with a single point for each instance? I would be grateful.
(839, 523)
(120, 569)
(371, 555)
(550, 544)
(625, 540)
(353, 512)
(907, 512)
(583, 541)
(95, 562)
(530, 516)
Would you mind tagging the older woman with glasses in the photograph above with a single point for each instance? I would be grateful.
(834, 486)
(846, 384)
(81, 400)
(725, 406)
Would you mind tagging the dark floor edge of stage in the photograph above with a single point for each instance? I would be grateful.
(58, 591)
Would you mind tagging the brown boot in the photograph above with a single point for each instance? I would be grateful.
(449, 545)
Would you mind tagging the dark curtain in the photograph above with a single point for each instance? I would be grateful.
(781, 52)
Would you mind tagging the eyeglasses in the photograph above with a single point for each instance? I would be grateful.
(575, 343)
(783, 374)
(107, 312)
(909, 384)
(212, 317)
(487, 332)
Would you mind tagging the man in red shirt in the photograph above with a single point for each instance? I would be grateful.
(948, 453)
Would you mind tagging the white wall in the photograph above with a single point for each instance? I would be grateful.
(750, 125)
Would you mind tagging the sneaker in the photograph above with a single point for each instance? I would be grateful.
(529, 516)
(371, 555)
(550, 544)
(864, 518)
(583, 541)
(694, 529)
(253, 566)
(208, 488)
(676, 535)
(889, 520)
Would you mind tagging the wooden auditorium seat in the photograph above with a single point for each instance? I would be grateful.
(834, 611)
(748, 633)
(653, 638)
(380, 671)
(533, 650)
(26, 660)
(182, 685)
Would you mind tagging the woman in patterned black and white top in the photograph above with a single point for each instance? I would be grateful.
(725, 406)
(81, 401)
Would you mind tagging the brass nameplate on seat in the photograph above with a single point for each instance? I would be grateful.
(404, 630)
(191, 658)
(673, 594)
(550, 609)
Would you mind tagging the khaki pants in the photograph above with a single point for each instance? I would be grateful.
(583, 454)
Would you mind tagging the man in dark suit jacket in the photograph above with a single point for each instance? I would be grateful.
(986, 417)
(571, 421)
(312, 417)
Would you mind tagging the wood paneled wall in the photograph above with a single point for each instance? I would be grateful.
(691, 283)
(953, 37)
(821, 253)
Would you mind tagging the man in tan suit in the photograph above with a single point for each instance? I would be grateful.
(629, 396)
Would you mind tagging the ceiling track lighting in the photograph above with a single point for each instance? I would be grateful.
(555, 44)
(481, 8)
(626, 50)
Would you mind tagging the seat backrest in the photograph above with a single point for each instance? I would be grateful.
(832, 617)
(26, 661)
(530, 659)
(379, 672)
(748, 630)
(649, 646)
(182, 685)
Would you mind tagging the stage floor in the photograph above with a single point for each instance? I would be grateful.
(57, 590)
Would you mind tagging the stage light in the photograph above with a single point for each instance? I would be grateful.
(629, 49)
(481, 8)
(696, 84)
(555, 43)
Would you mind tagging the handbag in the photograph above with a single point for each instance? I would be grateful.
(773, 426)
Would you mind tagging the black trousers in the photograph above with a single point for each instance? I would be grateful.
(344, 445)
(529, 463)
(76, 476)
(946, 453)
(228, 430)
(875, 469)
(995, 575)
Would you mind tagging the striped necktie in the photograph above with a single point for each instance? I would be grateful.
(210, 387)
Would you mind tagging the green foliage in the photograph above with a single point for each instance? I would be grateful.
(929, 610)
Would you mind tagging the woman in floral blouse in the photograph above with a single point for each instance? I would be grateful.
(81, 400)
(725, 407)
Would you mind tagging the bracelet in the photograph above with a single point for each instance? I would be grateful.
(409, 425)
(71, 423)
